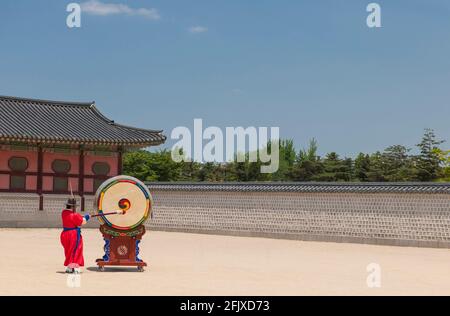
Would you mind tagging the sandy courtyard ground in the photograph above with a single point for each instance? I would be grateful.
(190, 264)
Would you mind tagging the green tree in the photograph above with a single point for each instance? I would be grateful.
(428, 161)
(444, 157)
(309, 154)
(377, 171)
(362, 167)
(398, 165)
(148, 166)
(287, 157)
(335, 169)
(136, 164)
(209, 172)
(308, 163)
(190, 171)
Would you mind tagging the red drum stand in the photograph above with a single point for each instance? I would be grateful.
(121, 248)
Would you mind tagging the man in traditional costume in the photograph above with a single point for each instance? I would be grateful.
(71, 238)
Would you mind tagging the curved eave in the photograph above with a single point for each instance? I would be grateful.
(66, 141)
(113, 123)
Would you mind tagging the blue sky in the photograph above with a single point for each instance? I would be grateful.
(313, 68)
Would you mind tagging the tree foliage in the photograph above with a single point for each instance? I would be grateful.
(394, 164)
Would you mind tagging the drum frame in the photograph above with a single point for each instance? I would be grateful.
(121, 178)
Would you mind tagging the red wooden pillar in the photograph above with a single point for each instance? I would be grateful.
(39, 177)
(81, 176)
(119, 161)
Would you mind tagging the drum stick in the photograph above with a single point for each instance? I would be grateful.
(110, 213)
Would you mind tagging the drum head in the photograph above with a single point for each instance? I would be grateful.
(127, 194)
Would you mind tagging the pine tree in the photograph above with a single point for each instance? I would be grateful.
(335, 169)
(377, 169)
(362, 167)
(399, 166)
(307, 164)
(428, 162)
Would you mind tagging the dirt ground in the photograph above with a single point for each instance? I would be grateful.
(191, 264)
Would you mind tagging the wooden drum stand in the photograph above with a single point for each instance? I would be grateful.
(121, 248)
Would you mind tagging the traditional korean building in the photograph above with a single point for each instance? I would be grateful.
(48, 147)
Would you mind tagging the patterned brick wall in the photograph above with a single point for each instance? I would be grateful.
(395, 216)
(22, 210)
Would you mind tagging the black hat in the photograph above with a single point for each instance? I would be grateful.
(71, 202)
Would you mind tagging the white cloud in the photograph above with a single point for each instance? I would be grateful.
(95, 7)
(198, 29)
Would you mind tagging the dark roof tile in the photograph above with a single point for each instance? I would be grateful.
(56, 121)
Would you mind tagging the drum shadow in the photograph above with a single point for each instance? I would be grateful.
(113, 269)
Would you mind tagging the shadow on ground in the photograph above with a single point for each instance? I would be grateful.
(113, 269)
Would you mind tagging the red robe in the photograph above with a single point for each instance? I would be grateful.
(73, 250)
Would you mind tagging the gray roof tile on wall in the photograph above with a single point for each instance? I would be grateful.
(304, 187)
(67, 122)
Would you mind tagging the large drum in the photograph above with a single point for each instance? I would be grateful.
(127, 194)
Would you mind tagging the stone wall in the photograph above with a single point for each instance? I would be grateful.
(394, 214)
(406, 215)
(22, 210)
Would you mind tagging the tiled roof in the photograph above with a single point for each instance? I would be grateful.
(44, 121)
(305, 187)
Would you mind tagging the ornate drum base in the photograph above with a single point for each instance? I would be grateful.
(121, 247)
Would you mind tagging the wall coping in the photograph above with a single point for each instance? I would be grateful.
(305, 187)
